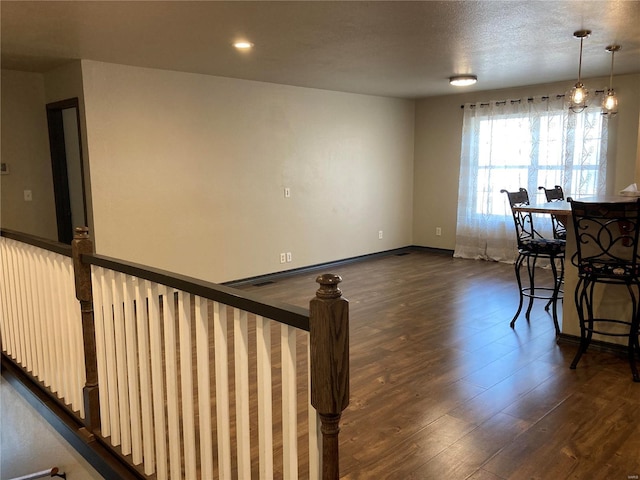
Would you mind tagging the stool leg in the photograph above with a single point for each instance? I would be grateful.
(550, 302)
(634, 331)
(580, 295)
(518, 264)
(589, 302)
(554, 298)
(633, 347)
(531, 269)
(560, 280)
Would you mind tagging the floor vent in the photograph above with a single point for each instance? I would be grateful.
(262, 284)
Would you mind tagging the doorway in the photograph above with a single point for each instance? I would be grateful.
(63, 119)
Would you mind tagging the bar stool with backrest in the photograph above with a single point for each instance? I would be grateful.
(531, 247)
(555, 194)
(607, 253)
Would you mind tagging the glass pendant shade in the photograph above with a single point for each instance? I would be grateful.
(610, 103)
(610, 100)
(579, 94)
(578, 98)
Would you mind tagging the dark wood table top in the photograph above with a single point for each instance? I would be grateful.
(563, 207)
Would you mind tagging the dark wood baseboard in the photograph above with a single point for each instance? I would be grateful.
(105, 461)
(272, 277)
(598, 345)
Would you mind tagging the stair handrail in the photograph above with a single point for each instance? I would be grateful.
(327, 321)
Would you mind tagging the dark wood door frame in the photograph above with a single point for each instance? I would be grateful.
(59, 166)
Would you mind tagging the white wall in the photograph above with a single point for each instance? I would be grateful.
(25, 149)
(220, 151)
(188, 171)
(438, 145)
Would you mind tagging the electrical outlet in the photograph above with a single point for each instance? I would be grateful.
(287, 192)
(379, 234)
(283, 257)
(438, 231)
(28, 196)
(288, 257)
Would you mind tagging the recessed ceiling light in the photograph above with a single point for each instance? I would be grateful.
(463, 80)
(243, 45)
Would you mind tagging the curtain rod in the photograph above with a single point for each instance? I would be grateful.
(530, 99)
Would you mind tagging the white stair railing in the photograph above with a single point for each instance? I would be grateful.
(189, 385)
(40, 323)
(185, 378)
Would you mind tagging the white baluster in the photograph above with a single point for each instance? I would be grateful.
(222, 390)
(186, 382)
(265, 397)
(204, 388)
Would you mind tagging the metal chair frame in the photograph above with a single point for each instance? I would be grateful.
(532, 246)
(607, 236)
(555, 194)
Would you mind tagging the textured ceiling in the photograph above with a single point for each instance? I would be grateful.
(400, 49)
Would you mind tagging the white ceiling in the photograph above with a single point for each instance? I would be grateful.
(390, 48)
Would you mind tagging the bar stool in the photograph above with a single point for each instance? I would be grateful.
(531, 247)
(555, 194)
(607, 253)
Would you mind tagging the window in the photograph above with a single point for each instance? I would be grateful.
(529, 143)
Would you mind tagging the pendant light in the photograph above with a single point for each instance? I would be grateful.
(578, 95)
(610, 100)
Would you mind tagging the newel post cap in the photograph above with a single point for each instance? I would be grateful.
(329, 286)
(80, 233)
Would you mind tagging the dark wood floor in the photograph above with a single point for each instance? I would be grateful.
(442, 388)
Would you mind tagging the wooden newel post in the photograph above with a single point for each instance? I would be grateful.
(329, 337)
(82, 244)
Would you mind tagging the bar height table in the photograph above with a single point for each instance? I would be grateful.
(610, 297)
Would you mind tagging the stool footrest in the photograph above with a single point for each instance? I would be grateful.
(607, 320)
(526, 292)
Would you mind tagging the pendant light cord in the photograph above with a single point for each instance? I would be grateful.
(580, 61)
(611, 74)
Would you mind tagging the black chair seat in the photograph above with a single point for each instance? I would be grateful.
(543, 246)
(613, 270)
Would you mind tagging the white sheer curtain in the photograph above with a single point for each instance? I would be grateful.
(522, 143)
